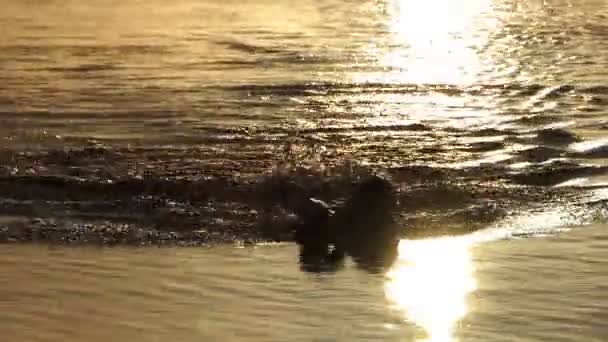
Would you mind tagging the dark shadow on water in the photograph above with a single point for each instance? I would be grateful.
(362, 229)
(320, 259)
(373, 259)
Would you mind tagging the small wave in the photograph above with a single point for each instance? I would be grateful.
(327, 88)
(539, 119)
(487, 132)
(554, 92)
(554, 172)
(598, 90)
(538, 92)
(591, 149)
(247, 47)
(83, 68)
(539, 154)
(557, 136)
(486, 146)
(433, 201)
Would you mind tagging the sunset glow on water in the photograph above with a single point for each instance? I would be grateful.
(238, 136)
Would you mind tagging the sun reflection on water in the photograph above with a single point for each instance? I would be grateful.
(430, 282)
(433, 41)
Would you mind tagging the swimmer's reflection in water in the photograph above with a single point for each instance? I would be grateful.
(363, 228)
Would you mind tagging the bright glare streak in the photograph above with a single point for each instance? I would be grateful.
(591, 146)
(430, 283)
(433, 41)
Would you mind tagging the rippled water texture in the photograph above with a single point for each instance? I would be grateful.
(168, 117)
(175, 123)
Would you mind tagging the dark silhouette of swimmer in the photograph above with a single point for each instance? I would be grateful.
(363, 228)
(312, 229)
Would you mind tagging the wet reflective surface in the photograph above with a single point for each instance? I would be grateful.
(439, 290)
(147, 116)
(431, 282)
(156, 123)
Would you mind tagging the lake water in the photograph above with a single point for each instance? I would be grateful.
(537, 289)
(156, 123)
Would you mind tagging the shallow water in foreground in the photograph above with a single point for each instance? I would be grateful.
(550, 288)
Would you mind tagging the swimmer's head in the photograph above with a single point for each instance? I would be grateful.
(375, 192)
